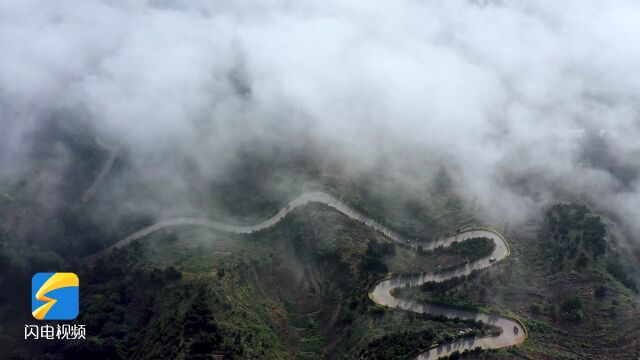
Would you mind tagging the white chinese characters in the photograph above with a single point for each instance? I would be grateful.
(59, 332)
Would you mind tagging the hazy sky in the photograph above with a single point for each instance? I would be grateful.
(519, 98)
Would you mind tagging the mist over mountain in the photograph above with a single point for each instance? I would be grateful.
(521, 102)
(274, 179)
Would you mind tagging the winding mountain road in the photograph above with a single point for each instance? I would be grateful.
(381, 293)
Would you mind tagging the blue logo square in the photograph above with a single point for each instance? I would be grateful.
(55, 296)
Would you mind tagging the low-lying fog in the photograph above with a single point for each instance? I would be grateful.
(522, 101)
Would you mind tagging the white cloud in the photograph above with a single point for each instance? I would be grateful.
(502, 91)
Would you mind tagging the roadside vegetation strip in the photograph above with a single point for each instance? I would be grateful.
(388, 301)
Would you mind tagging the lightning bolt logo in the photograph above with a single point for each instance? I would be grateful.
(62, 306)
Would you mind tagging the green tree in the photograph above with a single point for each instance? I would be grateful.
(572, 308)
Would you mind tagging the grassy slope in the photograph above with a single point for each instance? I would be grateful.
(524, 285)
(299, 290)
(296, 291)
